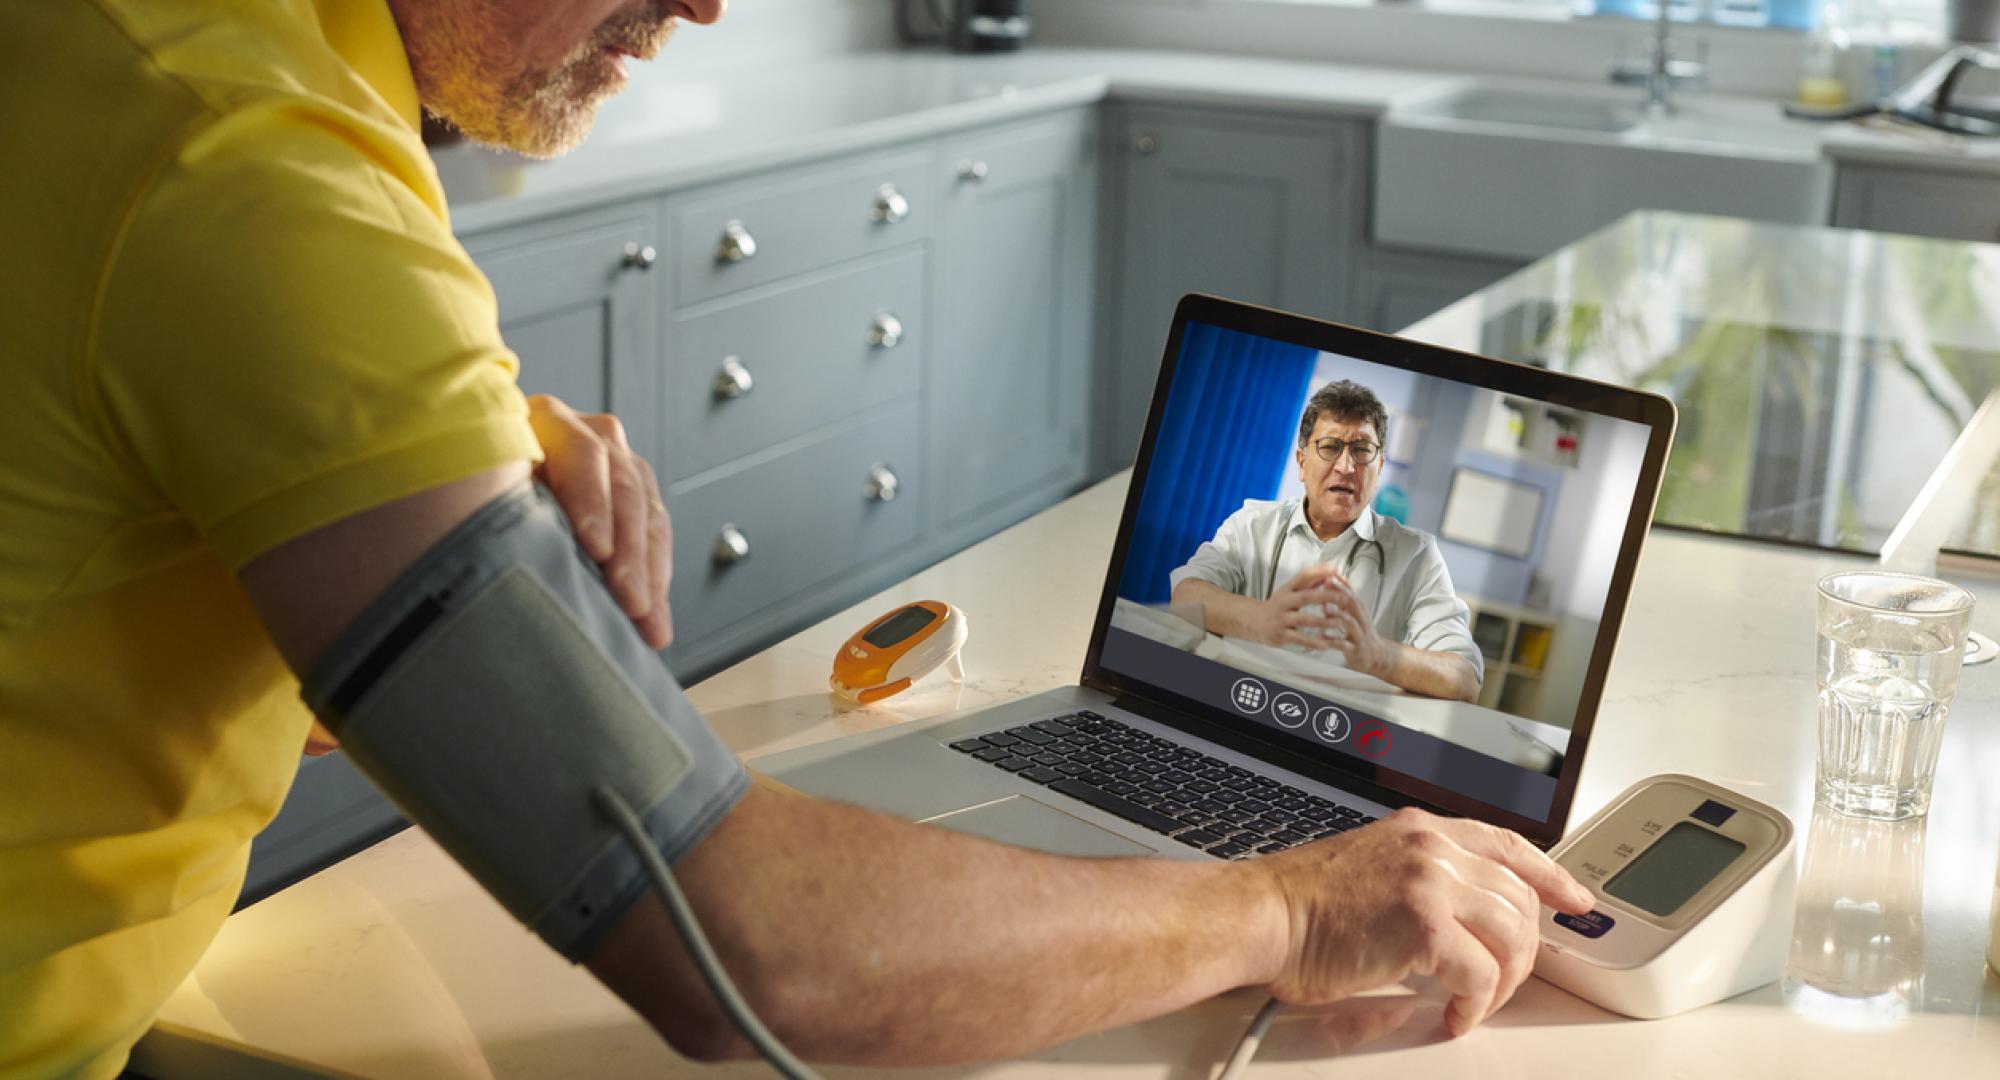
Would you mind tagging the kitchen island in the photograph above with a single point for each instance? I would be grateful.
(393, 964)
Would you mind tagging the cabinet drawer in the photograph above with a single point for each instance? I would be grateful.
(805, 517)
(798, 221)
(1924, 204)
(811, 355)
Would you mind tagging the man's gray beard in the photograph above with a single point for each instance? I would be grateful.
(540, 114)
(543, 114)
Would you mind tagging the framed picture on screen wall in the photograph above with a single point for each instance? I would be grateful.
(1492, 513)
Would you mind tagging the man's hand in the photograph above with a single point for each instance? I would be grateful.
(1351, 630)
(1283, 619)
(613, 503)
(1416, 894)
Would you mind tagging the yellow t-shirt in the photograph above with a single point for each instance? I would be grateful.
(233, 311)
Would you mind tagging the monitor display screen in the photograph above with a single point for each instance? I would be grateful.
(1375, 565)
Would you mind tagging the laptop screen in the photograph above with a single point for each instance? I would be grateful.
(1404, 563)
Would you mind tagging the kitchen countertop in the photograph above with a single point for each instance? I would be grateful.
(394, 964)
(670, 131)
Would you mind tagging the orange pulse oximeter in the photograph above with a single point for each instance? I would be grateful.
(898, 649)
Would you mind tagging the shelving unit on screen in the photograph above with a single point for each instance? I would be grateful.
(1530, 429)
(1515, 643)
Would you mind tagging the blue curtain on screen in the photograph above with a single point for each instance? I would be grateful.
(1231, 422)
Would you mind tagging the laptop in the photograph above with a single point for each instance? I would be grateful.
(1533, 489)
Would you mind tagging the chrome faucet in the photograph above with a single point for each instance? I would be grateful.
(1661, 70)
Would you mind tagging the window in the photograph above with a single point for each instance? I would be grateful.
(1868, 20)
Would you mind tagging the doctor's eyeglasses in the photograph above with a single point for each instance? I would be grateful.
(1363, 450)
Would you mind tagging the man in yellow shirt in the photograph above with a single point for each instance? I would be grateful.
(250, 377)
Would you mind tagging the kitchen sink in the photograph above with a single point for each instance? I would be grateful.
(1499, 105)
(1512, 169)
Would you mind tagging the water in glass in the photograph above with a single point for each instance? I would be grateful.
(1888, 667)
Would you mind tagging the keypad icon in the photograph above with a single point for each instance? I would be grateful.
(1249, 696)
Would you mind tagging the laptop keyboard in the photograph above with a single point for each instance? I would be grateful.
(1201, 801)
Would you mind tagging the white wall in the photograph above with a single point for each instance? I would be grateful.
(1590, 516)
(758, 33)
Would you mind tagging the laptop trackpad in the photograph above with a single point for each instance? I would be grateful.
(1024, 822)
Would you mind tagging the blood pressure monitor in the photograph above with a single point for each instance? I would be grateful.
(1694, 889)
(899, 648)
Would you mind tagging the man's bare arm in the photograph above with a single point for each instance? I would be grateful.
(857, 936)
(861, 938)
(1281, 621)
(1433, 674)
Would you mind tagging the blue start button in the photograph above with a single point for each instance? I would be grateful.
(1591, 925)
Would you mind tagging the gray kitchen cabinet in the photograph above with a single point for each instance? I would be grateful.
(782, 539)
(754, 230)
(1950, 206)
(1011, 371)
(1241, 205)
(1399, 288)
(579, 311)
(790, 396)
(777, 364)
(577, 300)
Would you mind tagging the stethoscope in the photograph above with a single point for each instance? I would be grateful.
(1346, 569)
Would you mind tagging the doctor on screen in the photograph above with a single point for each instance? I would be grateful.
(1325, 572)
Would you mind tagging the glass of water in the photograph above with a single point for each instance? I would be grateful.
(1890, 646)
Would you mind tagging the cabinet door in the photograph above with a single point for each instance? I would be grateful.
(1011, 372)
(1249, 209)
(579, 310)
(1400, 289)
(1950, 207)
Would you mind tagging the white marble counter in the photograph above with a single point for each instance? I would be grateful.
(393, 964)
(671, 130)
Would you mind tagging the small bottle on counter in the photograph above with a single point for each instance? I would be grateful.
(1821, 84)
(1888, 66)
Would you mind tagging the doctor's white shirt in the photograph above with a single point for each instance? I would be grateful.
(1397, 572)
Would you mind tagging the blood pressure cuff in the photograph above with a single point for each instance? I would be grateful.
(492, 687)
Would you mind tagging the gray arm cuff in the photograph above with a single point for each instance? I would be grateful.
(492, 688)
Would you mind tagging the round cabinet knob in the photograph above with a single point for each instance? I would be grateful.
(731, 546)
(732, 380)
(886, 331)
(890, 206)
(1145, 144)
(736, 244)
(640, 256)
(881, 485)
(972, 171)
